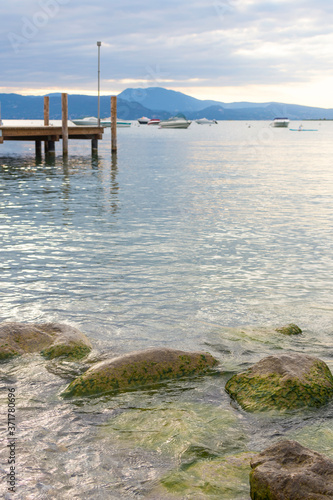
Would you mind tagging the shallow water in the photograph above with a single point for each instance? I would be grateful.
(200, 239)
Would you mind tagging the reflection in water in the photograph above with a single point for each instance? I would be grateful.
(201, 239)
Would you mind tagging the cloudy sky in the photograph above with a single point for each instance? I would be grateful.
(228, 50)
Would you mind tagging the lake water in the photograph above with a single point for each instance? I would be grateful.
(201, 239)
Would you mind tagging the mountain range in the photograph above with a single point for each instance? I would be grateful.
(155, 102)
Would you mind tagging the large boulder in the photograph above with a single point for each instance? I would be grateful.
(139, 369)
(284, 382)
(288, 471)
(49, 339)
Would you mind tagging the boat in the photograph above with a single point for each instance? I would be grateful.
(178, 121)
(143, 120)
(280, 122)
(122, 124)
(92, 121)
(154, 121)
(87, 121)
(205, 121)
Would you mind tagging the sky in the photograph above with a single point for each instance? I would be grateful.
(226, 50)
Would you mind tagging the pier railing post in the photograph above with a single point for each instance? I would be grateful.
(46, 118)
(64, 109)
(113, 123)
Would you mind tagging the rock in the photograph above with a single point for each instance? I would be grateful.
(139, 369)
(49, 339)
(288, 471)
(290, 329)
(288, 381)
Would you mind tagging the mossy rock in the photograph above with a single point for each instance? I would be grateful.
(285, 382)
(290, 329)
(51, 340)
(225, 478)
(186, 431)
(287, 470)
(139, 369)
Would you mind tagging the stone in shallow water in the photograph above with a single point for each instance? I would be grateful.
(284, 382)
(288, 471)
(49, 339)
(140, 369)
(290, 329)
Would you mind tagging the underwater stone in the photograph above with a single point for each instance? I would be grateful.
(284, 382)
(287, 470)
(49, 339)
(139, 369)
(290, 329)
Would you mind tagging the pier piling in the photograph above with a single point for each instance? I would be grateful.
(113, 123)
(64, 109)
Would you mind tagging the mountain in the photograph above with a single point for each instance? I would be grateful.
(169, 100)
(174, 102)
(154, 102)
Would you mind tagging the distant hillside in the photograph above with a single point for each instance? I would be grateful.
(18, 107)
(154, 102)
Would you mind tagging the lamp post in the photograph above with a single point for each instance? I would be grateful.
(99, 74)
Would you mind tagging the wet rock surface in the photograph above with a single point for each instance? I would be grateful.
(52, 340)
(288, 470)
(284, 382)
(139, 369)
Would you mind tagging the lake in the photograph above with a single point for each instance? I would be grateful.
(200, 239)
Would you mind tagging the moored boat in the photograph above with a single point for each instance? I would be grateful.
(154, 121)
(92, 121)
(143, 120)
(178, 121)
(205, 121)
(280, 122)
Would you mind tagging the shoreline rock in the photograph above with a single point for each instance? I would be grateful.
(139, 369)
(285, 382)
(287, 470)
(51, 340)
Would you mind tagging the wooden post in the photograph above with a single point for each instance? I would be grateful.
(113, 123)
(64, 109)
(46, 118)
(38, 148)
(94, 145)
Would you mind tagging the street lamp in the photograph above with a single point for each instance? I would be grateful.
(99, 74)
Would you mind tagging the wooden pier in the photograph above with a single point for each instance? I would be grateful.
(50, 134)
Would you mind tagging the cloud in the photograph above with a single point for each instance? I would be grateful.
(223, 43)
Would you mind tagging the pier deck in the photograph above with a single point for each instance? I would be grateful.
(48, 133)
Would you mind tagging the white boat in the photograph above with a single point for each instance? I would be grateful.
(154, 121)
(92, 121)
(178, 121)
(205, 121)
(88, 121)
(280, 122)
(143, 120)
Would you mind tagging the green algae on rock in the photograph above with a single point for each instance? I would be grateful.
(290, 329)
(139, 369)
(285, 382)
(51, 340)
(224, 478)
(186, 431)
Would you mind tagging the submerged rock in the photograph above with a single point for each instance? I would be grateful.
(290, 329)
(284, 382)
(139, 369)
(288, 471)
(49, 339)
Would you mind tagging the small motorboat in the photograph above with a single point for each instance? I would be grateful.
(280, 122)
(92, 121)
(205, 121)
(143, 120)
(154, 121)
(178, 121)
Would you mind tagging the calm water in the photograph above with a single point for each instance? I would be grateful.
(206, 238)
